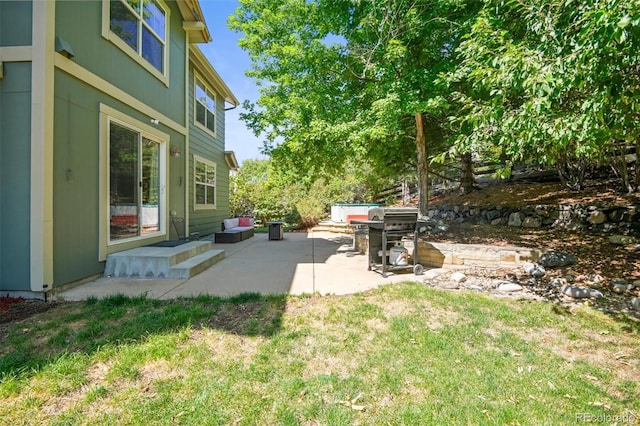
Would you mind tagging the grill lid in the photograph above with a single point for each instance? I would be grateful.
(386, 214)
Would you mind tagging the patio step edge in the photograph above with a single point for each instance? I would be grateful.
(193, 266)
(196, 248)
(152, 262)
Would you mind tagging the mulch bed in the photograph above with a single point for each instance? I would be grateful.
(14, 309)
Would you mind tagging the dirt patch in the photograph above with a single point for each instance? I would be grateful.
(16, 309)
(594, 252)
(250, 318)
(596, 256)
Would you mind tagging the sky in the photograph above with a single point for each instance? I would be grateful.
(231, 62)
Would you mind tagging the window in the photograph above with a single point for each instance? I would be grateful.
(205, 183)
(205, 107)
(141, 25)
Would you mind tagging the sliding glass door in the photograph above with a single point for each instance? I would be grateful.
(135, 186)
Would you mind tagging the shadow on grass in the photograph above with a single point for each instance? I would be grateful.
(84, 327)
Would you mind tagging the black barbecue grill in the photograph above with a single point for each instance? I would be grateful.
(391, 229)
(395, 218)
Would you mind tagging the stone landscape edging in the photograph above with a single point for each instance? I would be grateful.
(575, 217)
(435, 254)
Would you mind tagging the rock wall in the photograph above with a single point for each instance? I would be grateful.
(576, 217)
(439, 255)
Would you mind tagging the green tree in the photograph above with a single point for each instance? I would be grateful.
(253, 192)
(554, 82)
(268, 193)
(352, 81)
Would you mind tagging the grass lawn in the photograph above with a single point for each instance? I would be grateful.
(401, 354)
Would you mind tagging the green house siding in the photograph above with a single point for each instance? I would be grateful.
(15, 149)
(15, 23)
(99, 80)
(76, 176)
(15, 161)
(203, 144)
(76, 165)
(79, 24)
(77, 130)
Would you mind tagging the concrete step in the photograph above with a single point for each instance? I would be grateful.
(338, 227)
(195, 265)
(152, 262)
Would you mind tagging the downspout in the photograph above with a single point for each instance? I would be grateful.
(187, 141)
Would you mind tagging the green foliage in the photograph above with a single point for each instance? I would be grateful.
(341, 81)
(553, 82)
(272, 193)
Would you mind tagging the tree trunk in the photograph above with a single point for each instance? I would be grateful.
(406, 193)
(423, 167)
(467, 181)
(572, 170)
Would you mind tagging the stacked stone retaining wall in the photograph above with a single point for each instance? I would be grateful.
(576, 217)
(440, 255)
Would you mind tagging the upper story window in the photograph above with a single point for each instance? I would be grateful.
(205, 108)
(142, 26)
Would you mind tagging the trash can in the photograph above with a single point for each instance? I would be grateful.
(275, 230)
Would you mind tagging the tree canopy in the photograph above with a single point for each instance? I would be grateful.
(352, 80)
(554, 82)
(391, 84)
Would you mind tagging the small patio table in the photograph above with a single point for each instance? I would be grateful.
(276, 230)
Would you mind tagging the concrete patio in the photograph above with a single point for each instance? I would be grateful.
(301, 263)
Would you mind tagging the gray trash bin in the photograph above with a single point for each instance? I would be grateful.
(275, 230)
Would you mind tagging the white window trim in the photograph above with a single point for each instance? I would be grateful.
(196, 206)
(108, 115)
(197, 79)
(115, 39)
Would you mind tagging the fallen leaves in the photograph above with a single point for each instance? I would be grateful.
(352, 403)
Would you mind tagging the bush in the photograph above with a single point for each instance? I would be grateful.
(269, 194)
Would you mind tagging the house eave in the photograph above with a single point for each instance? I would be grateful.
(211, 75)
(231, 160)
(193, 21)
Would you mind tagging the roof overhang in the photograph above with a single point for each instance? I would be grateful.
(207, 71)
(232, 162)
(193, 21)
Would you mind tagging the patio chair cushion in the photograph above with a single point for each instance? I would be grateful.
(231, 223)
